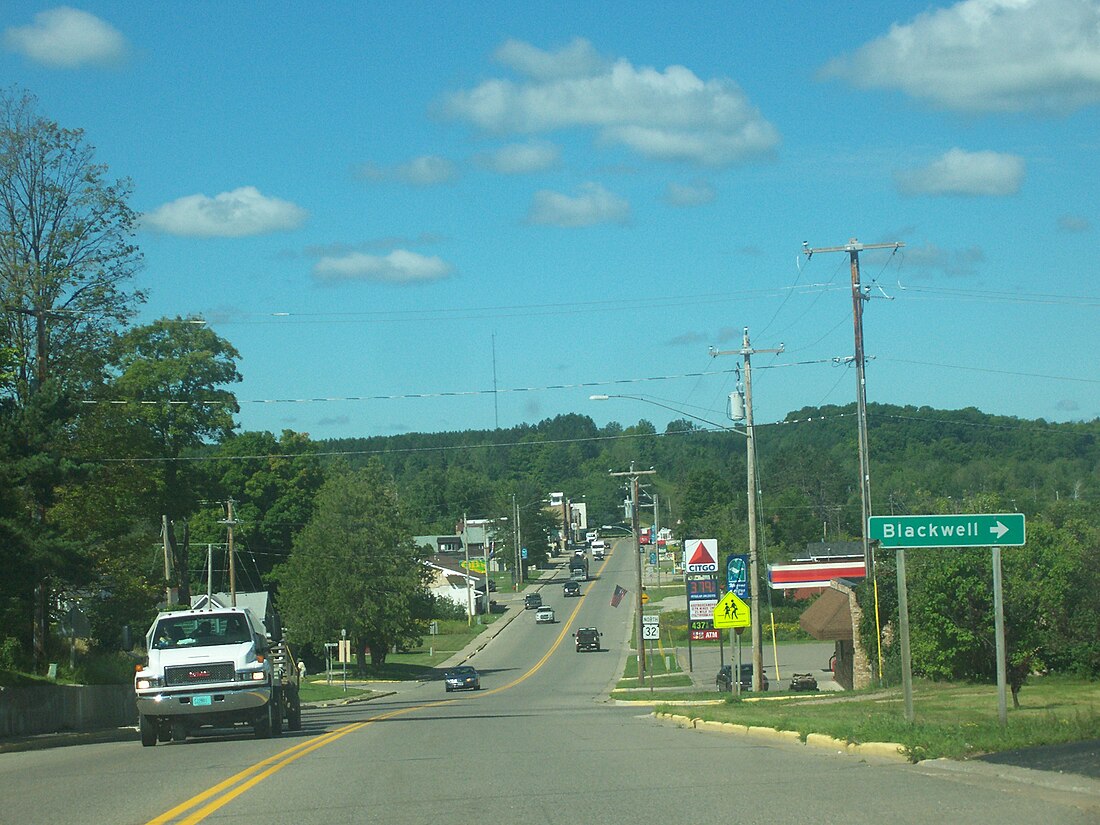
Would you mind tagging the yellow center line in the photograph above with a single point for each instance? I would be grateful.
(229, 789)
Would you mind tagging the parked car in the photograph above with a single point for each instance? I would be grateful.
(724, 680)
(571, 589)
(462, 677)
(803, 682)
(587, 638)
(532, 601)
(545, 615)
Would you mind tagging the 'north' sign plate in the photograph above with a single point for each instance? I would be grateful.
(973, 530)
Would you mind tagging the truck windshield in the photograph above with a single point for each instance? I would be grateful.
(201, 631)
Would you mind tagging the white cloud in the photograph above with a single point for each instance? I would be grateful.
(578, 59)
(987, 56)
(668, 115)
(400, 266)
(64, 38)
(426, 170)
(959, 172)
(696, 193)
(594, 205)
(523, 158)
(244, 211)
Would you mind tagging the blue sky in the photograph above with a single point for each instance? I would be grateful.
(369, 199)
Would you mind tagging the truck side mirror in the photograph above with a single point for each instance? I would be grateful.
(126, 640)
(276, 628)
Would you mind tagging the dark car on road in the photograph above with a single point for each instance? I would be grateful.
(462, 677)
(531, 601)
(724, 680)
(588, 638)
(571, 589)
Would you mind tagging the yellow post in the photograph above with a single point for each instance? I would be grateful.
(775, 649)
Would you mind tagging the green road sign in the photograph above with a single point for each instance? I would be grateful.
(973, 530)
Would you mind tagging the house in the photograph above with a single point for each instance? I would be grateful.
(440, 544)
(451, 582)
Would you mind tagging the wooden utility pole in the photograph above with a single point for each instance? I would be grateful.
(746, 352)
(171, 594)
(633, 474)
(853, 248)
(230, 522)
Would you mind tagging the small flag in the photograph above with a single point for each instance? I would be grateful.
(617, 596)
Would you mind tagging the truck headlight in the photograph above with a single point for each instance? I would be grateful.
(251, 675)
(146, 682)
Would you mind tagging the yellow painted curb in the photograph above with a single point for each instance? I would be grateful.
(821, 740)
(878, 750)
(881, 750)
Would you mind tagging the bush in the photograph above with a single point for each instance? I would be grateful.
(10, 653)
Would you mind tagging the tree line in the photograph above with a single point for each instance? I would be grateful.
(119, 450)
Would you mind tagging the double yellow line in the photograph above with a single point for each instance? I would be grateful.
(200, 806)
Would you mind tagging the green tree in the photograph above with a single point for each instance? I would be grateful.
(170, 377)
(355, 567)
(66, 255)
(66, 250)
(274, 482)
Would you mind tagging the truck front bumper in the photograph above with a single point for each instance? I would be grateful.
(228, 700)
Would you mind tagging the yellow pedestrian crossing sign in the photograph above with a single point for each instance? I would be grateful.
(731, 612)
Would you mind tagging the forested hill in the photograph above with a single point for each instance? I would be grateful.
(922, 460)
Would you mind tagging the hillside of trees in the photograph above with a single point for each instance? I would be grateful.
(120, 457)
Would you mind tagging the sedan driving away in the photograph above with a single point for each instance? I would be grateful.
(462, 677)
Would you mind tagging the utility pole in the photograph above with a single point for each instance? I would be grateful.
(517, 574)
(633, 474)
(229, 522)
(853, 248)
(469, 593)
(746, 352)
(171, 595)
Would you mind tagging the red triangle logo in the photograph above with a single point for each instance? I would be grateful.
(701, 556)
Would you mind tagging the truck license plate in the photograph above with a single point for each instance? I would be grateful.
(202, 701)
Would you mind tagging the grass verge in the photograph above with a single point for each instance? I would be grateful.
(956, 721)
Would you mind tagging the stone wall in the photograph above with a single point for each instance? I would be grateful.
(27, 711)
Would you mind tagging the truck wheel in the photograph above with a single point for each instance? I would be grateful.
(294, 711)
(179, 731)
(261, 725)
(148, 728)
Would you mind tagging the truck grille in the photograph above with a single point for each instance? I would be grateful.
(199, 674)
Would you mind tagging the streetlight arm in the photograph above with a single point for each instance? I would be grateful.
(667, 407)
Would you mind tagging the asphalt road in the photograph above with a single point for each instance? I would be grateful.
(539, 743)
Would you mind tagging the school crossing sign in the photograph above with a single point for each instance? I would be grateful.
(973, 530)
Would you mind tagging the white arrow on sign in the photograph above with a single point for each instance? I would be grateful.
(999, 529)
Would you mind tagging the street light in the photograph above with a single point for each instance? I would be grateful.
(659, 404)
(754, 569)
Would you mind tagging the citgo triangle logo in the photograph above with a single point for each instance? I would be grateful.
(704, 557)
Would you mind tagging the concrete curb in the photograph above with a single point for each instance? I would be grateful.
(890, 751)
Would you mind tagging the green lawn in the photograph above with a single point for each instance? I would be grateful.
(951, 720)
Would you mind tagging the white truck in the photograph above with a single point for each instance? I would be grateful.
(217, 668)
(599, 549)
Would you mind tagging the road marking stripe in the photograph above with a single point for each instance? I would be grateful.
(229, 789)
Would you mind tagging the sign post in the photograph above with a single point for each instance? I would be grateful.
(993, 530)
